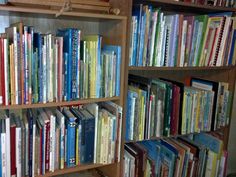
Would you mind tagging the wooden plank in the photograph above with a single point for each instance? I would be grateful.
(47, 2)
(66, 14)
(74, 169)
(55, 104)
(181, 68)
(174, 6)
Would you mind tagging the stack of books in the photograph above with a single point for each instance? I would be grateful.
(180, 40)
(197, 155)
(40, 68)
(162, 107)
(36, 141)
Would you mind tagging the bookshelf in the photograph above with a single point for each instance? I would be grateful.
(112, 28)
(179, 74)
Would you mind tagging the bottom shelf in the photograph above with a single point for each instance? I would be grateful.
(75, 169)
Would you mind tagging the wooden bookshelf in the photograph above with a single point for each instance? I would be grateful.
(112, 28)
(171, 5)
(56, 104)
(34, 10)
(131, 68)
(75, 169)
(218, 74)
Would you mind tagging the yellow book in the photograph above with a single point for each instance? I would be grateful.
(197, 120)
(12, 75)
(93, 48)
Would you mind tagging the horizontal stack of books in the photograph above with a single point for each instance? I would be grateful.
(162, 107)
(198, 155)
(180, 40)
(36, 141)
(40, 68)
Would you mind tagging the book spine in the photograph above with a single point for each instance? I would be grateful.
(47, 147)
(3, 155)
(65, 73)
(74, 64)
(13, 150)
(1, 72)
(18, 151)
(62, 142)
(70, 144)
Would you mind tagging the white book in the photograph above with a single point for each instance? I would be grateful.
(44, 73)
(220, 58)
(55, 65)
(61, 120)
(33, 155)
(52, 140)
(153, 32)
(132, 118)
(3, 149)
(16, 63)
(18, 151)
(183, 43)
(8, 147)
(5, 71)
(93, 109)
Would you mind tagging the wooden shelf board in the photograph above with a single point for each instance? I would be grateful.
(178, 5)
(150, 68)
(55, 104)
(9, 8)
(74, 169)
(175, 136)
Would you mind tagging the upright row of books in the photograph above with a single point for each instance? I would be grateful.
(40, 68)
(221, 3)
(162, 107)
(34, 142)
(181, 40)
(199, 155)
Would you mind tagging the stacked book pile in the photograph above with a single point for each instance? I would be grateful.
(200, 155)
(40, 68)
(161, 107)
(181, 40)
(34, 142)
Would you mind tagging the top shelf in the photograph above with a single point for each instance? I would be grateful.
(51, 12)
(178, 6)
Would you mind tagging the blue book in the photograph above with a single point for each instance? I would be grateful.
(70, 146)
(86, 145)
(31, 120)
(153, 152)
(117, 50)
(65, 73)
(67, 49)
(137, 11)
(209, 141)
(74, 67)
(168, 156)
(232, 48)
(142, 36)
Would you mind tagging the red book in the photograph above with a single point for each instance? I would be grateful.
(174, 123)
(47, 150)
(1, 70)
(41, 151)
(13, 146)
